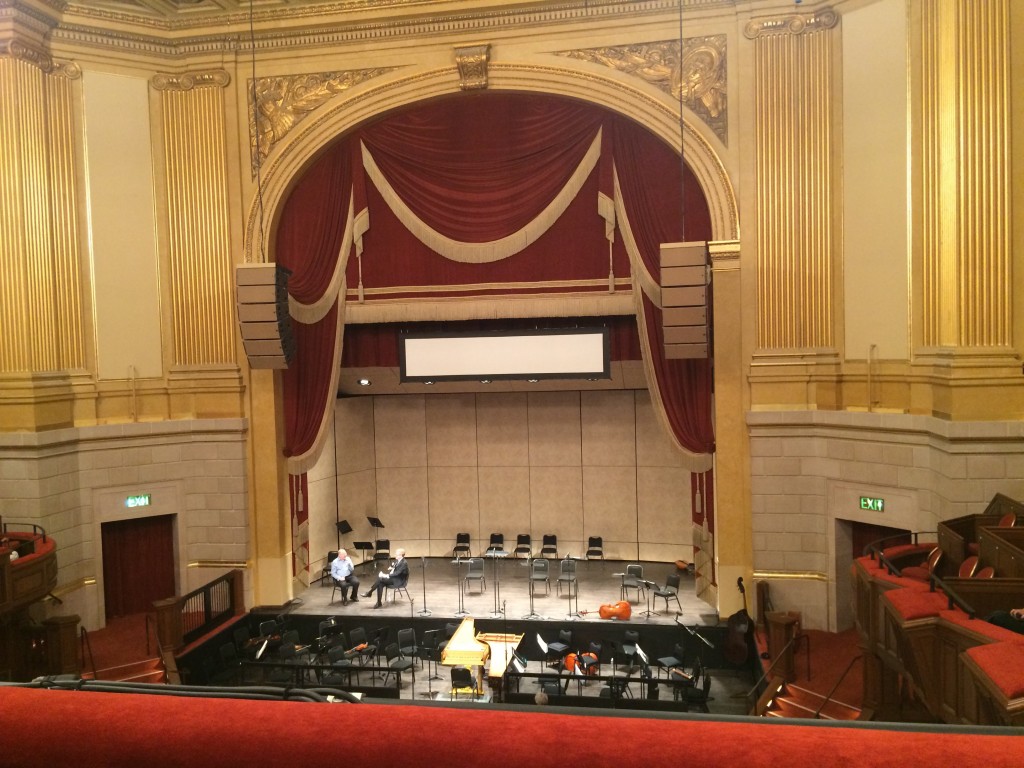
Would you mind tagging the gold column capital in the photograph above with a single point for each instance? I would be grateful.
(472, 61)
(791, 24)
(186, 81)
(30, 54)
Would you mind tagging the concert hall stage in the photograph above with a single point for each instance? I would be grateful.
(502, 609)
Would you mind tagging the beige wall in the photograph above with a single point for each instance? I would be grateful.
(575, 464)
(71, 481)
(876, 279)
(809, 470)
(122, 225)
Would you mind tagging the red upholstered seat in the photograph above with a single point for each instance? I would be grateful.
(914, 604)
(968, 567)
(1004, 664)
(926, 569)
(979, 625)
(988, 572)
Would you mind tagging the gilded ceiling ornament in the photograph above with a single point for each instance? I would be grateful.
(472, 62)
(795, 24)
(283, 102)
(189, 80)
(700, 76)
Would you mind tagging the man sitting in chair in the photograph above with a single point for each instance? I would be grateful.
(396, 576)
(344, 575)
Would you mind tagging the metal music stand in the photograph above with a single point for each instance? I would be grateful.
(343, 529)
(529, 586)
(462, 587)
(699, 636)
(496, 555)
(364, 546)
(423, 578)
(648, 588)
(573, 615)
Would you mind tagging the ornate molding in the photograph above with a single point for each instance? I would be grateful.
(189, 80)
(698, 77)
(472, 62)
(18, 49)
(794, 24)
(281, 103)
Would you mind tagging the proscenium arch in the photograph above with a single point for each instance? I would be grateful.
(658, 114)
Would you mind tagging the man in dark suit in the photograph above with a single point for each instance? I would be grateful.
(396, 576)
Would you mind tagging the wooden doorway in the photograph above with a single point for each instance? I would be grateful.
(138, 564)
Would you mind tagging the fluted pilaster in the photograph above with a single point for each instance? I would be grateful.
(40, 255)
(795, 179)
(195, 156)
(966, 221)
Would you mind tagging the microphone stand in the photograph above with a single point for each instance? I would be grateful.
(423, 578)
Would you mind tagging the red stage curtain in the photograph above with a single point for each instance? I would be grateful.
(479, 168)
(654, 213)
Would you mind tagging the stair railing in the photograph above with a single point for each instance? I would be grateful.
(828, 698)
(767, 672)
(86, 648)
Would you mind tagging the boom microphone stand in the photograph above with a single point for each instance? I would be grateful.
(461, 587)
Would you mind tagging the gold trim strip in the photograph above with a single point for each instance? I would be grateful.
(791, 575)
(220, 564)
(72, 586)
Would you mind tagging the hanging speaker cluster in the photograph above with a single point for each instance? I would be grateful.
(262, 295)
(684, 299)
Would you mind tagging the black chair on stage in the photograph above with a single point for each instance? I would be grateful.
(428, 649)
(524, 546)
(630, 640)
(407, 643)
(675, 660)
(539, 571)
(497, 543)
(549, 545)
(695, 697)
(567, 575)
(394, 591)
(633, 578)
(462, 546)
(382, 550)
(462, 678)
(590, 662)
(397, 664)
(476, 573)
(669, 592)
(361, 646)
(339, 659)
(229, 669)
(595, 548)
(326, 570)
(559, 648)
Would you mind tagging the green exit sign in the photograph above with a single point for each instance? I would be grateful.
(142, 500)
(875, 505)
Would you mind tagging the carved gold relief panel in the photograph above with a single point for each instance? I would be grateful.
(281, 103)
(697, 78)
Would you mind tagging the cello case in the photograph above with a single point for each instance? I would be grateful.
(739, 638)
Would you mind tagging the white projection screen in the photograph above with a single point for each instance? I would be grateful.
(565, 353)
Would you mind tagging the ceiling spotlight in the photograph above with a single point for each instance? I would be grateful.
(591, 379)
(428, 383)
(485, 381)
(533, 381)
(364, 382)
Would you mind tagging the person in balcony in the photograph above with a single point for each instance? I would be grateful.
(1012, 619)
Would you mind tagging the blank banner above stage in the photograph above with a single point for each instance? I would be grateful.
(543, 354)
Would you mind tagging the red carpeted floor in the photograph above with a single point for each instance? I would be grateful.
(123, 641)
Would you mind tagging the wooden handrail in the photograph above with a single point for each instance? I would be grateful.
(180, 620)
(828, 697)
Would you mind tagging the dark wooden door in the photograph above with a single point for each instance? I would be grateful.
(138, 564)
(866, 533)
